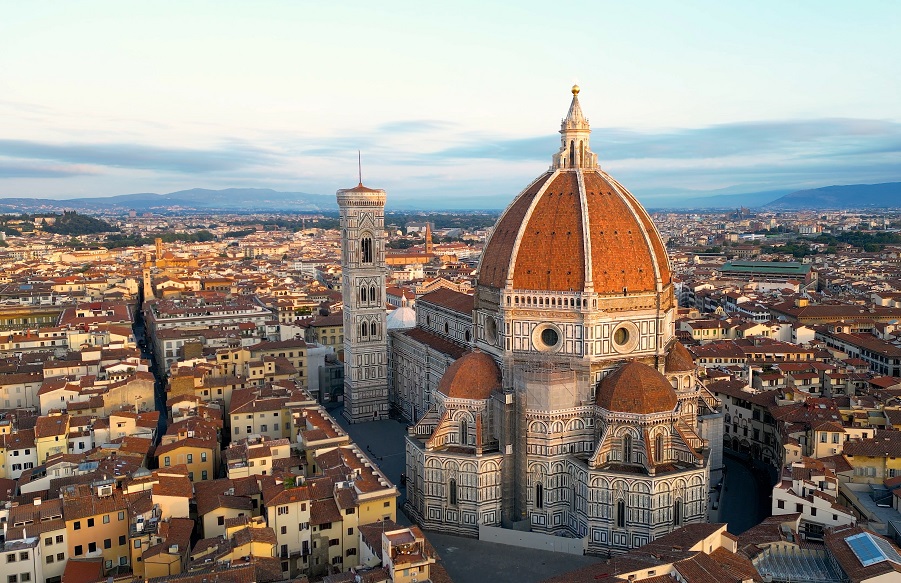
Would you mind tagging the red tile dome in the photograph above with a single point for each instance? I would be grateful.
(575, 227)
(562, 232)
(636, 388)
(679, 359)
(472, 376)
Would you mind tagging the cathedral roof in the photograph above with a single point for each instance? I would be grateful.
(472, 376)
(575, 228)
(636, 388)
(679, 359)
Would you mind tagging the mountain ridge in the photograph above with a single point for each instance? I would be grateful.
(847, 196)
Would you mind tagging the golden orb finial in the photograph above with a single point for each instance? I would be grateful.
(576, 89)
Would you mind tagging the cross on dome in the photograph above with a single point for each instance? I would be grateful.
(575, 151)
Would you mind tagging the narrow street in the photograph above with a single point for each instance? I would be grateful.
(159, 388)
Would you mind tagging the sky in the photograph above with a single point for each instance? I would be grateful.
(447, 101)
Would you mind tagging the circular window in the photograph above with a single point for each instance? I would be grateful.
(547, 338)
(490, 330)
(550, 337)
(625, 337)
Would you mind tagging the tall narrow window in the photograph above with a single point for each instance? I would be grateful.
(627, 448)
(621, 513)
(453, 492)
(464, 432)
(366, 248)
(677, 513)
(539, 496)
(372, 294)
(364, 329)
(658, 447)
(362, 295)
(572, 154)
(373, 329)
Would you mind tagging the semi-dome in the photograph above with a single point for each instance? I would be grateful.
(679, 359)
(636, 388)
(575, 228)
(472, 376)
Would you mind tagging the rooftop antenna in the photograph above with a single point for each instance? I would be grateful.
(360, 167)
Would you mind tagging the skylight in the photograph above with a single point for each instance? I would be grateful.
(870, 550)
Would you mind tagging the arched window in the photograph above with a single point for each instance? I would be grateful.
(373, 329)
(453, 492)
(372, 297)
(677, 513)
(627, 448)
(581, 153)
(364, 329)
(621, 513)
(658, 447)
(539, 496)
(572, 154)
(464, 432)
(362, 294)
(366, 250)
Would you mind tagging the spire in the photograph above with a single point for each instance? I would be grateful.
(574, 135)
(574, 118)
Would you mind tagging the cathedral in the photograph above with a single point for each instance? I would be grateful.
(556, 398)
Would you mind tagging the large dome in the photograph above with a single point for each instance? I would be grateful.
(575, 228)
(636, 388)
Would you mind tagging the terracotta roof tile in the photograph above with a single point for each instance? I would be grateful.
(636, 388)
(473, 376)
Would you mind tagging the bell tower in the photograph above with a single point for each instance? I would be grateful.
(362, 212)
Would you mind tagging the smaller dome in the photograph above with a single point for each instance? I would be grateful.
(401, 318)
(636, 388)
(679, 359)
(472, 376)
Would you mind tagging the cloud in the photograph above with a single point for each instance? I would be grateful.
(413, 126)
(809, 137)
(435, 159)
(117, 155)
(21, 170)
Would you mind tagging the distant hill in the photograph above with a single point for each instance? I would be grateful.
(718, 201)
(851, 196)
(200, 199)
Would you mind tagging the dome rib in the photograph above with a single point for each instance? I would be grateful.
(552, 234)
(494, 267)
